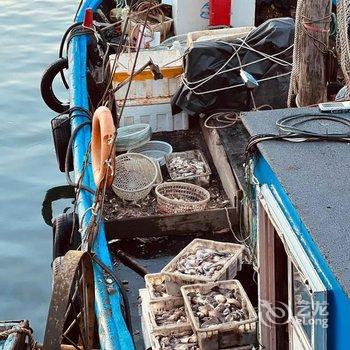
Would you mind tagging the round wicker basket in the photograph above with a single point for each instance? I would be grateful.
(181, 197)
(135, 175)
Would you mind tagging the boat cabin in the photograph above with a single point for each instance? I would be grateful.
(302, 225)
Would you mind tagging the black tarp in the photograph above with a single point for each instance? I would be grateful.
(207, 57)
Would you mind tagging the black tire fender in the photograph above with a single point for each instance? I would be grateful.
(46, 89)
(63, 240)
(61, 132)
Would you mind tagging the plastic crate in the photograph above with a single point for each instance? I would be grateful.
(143, 302)
(176, 279)
(155, 339)
(155, 278)
(143, 85)
(160, 306)
(200, 180)
(156, 112)
(227, 334)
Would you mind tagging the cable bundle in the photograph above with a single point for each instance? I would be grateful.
(291, 130)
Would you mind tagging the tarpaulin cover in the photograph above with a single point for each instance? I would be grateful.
(204, 59)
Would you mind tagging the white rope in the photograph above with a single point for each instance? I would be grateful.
(274, 58)
(227, 119)
(232, 86)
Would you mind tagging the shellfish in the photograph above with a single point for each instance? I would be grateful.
(218, 306)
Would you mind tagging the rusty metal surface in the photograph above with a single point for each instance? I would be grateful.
(64, 285)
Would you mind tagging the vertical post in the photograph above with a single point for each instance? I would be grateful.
(310, 52)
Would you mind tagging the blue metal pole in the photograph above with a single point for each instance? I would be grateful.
(113, 332)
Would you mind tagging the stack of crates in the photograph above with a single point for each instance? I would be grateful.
(176, 286)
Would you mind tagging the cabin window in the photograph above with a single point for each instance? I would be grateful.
(302, 303)
(289, 285)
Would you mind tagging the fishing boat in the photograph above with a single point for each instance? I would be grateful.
(187, 160)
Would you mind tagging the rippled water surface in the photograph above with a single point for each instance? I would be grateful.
(30, 35)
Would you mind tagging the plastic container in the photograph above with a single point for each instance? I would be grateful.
(150, 336)
(202, 179)
(181, 197)
(157, 150)
(220, 12)
(227, 334)
(159, 178)
(175, 280)
(155, 340)
(143, 85)
(132, 136)
(143, 302)
(155, 279)
(159, 307)
(135, 175)
(156, 112)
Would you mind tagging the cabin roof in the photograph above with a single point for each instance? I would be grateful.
(316, 177)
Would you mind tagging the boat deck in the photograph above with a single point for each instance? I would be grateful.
(315, 175)
(142, 219)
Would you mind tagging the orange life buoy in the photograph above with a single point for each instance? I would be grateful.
(102, 147)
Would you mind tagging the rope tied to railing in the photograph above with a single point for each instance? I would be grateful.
(20, 330)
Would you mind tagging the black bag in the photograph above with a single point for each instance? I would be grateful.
(204, 59)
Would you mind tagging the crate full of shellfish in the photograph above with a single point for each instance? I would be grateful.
(155, 284)
(182, 338)
(203, 261)
(221, 314)
(167, 314)
(188, 166)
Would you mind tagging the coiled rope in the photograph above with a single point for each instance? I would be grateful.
(305, 26)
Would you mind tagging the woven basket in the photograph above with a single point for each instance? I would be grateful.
(181, 197)
(135, 175)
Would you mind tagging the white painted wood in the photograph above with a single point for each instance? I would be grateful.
(242, 13)
(221, 163)
(190, 15)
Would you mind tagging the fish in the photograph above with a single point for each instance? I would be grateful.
(218, 306)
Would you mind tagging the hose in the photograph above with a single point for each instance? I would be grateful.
(127, 313)
(68, 155)
(128, 261)
(60, 53)
(292, 132)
